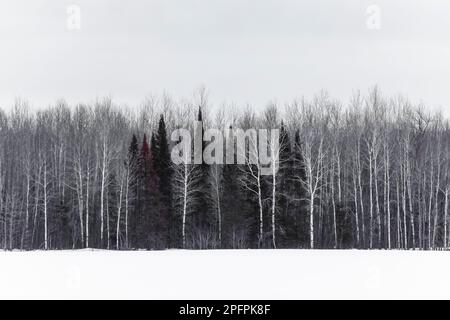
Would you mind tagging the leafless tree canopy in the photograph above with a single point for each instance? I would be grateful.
(372, 173)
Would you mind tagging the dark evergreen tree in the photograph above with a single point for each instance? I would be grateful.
(235, 210)
(62, 222)
(143, 203)
(158, 208)
(287, 232)
(301, 218)
(151, 226)
(344, 227)
(202, 223)
(133, 167)
(164, 171)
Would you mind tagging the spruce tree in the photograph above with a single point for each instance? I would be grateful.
(133, 167)
(151, 225)
(202, 220)
(158, 210)
(234, 210)
(164, 171)
(287, 232)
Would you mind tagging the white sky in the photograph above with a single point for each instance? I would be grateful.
(242, 50)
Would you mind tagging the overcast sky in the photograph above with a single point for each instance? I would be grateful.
(241, 50)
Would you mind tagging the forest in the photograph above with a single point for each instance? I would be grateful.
(371, 173)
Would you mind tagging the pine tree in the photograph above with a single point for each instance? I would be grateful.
(301, 220)
(164, 171)
(151, 226)
(234, 209)
(286, 216)
(202, 220)
(133, 166)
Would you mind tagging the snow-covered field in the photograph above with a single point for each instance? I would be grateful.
(225, 274)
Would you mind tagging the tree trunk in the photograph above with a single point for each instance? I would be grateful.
(80, 202)
(363, 222)
(274, 184)
(261, 222)
(436, 199)
(405, 234)
(127, 186)
(447, 192)
(398, 215)
(119, 207)
(430, 204)
(370, 201)
(355, 198)
(87, 206)
(311, 221)
(102, 196)
(334, 208)
(183, 228)
(45, 209)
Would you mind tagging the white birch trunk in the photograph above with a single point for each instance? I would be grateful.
(388, 197)
(334, 207)
(377, 197)
(398, 215)
(274, 186)
(80, 201)
(119, 207)
(261, 221)
(363, 222)
(447, 191)
(405, 227)
(102, 194)
(87, 205)
(185, 191)
(370, 201)
(127, 186)
(436, 198)
(430, 204)
(355, 198)
(108, 235)
(311, 220)
(45, 208)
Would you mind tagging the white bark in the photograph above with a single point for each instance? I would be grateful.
(185, 203)
(119, 208)
(127, 187)
(370, 200)
(333, 201)
(314, 175)
(87, 205)
(430, 201)
(398, 214)
(45, 190)
(447, 192)
(251, 181)
(104, 173)
(388, 197)
(436, 197)
(355, 199)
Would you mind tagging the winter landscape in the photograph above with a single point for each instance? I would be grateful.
(266, 149)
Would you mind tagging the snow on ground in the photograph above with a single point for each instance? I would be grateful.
(225, 274)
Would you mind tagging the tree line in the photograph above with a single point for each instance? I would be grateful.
(373, 173)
